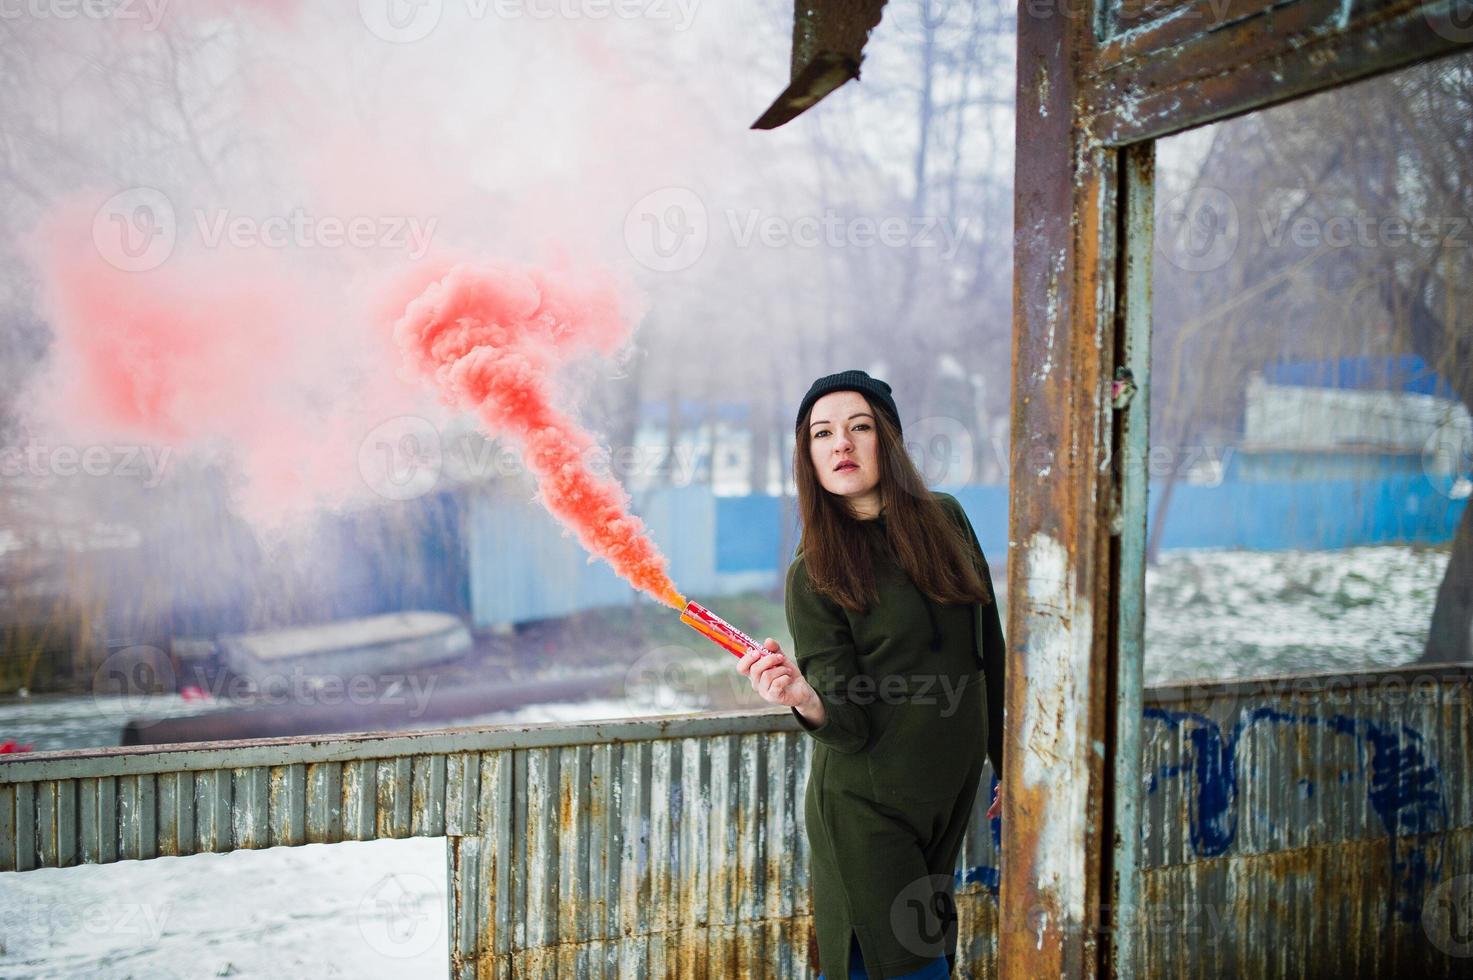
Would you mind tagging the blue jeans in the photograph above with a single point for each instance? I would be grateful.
(937, 969)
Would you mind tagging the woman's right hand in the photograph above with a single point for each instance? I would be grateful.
(774, 676)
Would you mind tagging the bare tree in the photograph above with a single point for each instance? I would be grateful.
(1366, 166)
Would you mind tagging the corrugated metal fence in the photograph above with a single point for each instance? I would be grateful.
(1294, 826)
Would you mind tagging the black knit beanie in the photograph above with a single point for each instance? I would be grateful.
(874, 389)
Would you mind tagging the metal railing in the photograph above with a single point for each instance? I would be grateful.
(1287, 823)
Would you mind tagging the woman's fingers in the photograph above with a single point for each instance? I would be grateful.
(771, 672)
(772, 676)
(767, 669)
(748, 659)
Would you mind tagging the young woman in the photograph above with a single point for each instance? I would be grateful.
(898, 678)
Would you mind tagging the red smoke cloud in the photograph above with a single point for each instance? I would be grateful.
(234, 352)
(491, 337)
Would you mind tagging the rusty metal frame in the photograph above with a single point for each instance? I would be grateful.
(1097, 83)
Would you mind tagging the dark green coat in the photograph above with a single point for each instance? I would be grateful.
(912, 690)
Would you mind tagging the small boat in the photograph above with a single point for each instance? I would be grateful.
(370, 645)
(413, 702)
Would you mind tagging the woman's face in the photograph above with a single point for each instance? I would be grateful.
(844, 448)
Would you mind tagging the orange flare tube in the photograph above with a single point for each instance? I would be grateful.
(718, 630)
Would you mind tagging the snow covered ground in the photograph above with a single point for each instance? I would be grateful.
(357, 909)
(360, 909)
(1219, 614)
(378, 908)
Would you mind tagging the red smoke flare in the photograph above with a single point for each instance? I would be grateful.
(491, 337)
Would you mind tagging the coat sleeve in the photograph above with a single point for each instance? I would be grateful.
(824, 649)
(994, 667)
(994, 648)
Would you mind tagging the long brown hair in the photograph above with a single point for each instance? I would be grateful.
(926, 542)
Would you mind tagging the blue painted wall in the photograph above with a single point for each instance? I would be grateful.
(1307, 514)
(1403, 372)
(523, 566)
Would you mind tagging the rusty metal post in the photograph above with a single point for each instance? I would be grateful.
(1096, 82)
(1057, 819)
(1132, 408)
